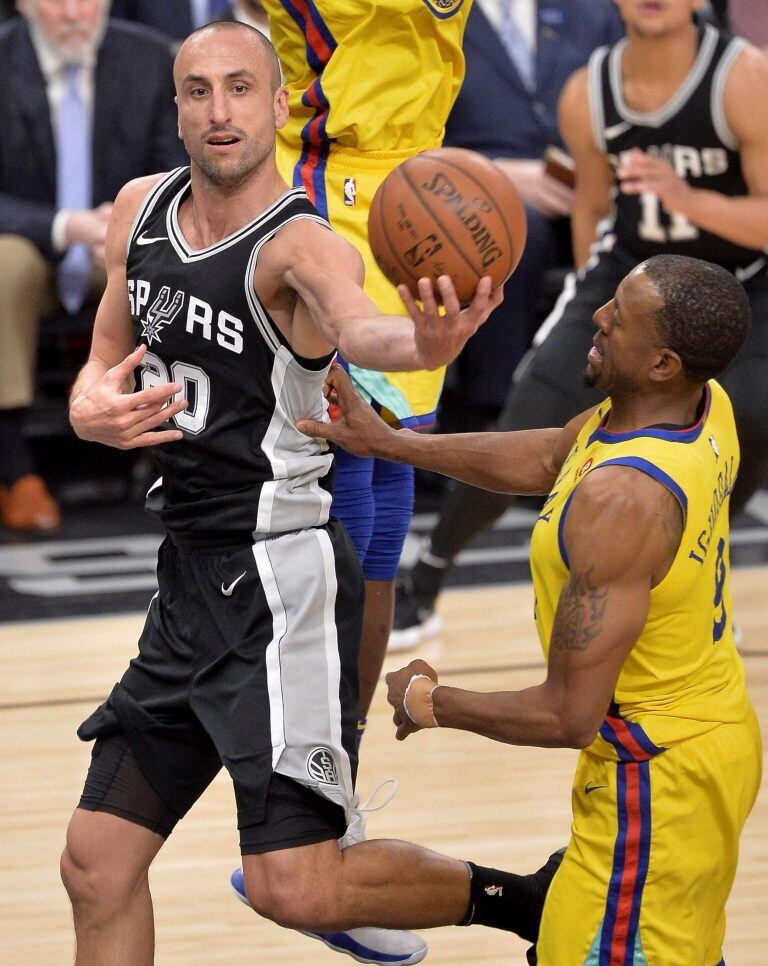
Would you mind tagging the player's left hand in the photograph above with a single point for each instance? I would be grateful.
(397, 682)
(640, 173)
(440, 338)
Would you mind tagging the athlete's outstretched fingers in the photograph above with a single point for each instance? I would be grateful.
(427, 298)
(410, 303)
(448, 295)
(315, 429)
(341, 384)
(153, 397)
(158, 417)
(124, 369)
(154, 439)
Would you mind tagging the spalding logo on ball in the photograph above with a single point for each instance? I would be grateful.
(447, 212)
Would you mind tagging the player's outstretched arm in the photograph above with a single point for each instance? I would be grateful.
(103, 407)
(521, 462)
(327, 273)
(621, 535)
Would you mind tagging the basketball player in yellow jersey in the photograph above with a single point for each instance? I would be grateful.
(630, 569)
(370, 85)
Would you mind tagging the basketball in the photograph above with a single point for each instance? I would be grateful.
(447, 212)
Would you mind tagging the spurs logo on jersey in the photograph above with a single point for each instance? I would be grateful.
(162, 312)
(201, 319)
(242, 465)
(691, 132)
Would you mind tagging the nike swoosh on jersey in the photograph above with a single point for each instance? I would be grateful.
(616, 130)
(227, 591)
(142, 240)
(589, 788)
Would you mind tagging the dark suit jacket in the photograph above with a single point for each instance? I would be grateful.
(494, 113)
(134, 124)
(171, 17)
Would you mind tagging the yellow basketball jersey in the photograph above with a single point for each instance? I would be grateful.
(370, 84)
(374, 76)
(684, 675)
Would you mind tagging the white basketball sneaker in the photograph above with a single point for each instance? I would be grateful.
(366, 944)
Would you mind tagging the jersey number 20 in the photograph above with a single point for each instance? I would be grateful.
(195, 387)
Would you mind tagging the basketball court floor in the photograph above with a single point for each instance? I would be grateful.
(72, 609)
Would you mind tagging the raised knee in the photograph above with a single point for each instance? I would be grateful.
(313, 909)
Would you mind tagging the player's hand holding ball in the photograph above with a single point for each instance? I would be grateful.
(447, 227)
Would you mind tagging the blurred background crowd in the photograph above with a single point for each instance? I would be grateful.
(86, 104)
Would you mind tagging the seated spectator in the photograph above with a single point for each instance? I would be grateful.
(84, 107)
(519, 53)
(181, 17)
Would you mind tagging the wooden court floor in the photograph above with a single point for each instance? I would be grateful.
(460, 794)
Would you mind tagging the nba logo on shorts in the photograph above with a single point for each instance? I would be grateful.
(350, 191)
(321, 766)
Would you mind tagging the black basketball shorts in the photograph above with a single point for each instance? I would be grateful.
(248, 658)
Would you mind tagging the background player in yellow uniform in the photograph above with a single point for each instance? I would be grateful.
(630, 568)
(370, 84)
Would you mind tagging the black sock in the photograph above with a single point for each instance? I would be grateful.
(510, 902)
(16, 457)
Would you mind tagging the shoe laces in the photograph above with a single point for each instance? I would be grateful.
(356, 828)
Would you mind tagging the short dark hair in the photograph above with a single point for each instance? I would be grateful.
(276, 78)
(705, 315)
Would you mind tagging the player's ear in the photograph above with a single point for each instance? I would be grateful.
(281, 107)
(667, 365)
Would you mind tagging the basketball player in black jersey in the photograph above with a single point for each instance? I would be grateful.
(237, 292)
(668, 130)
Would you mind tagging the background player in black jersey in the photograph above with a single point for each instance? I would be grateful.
(238, 292)
(670, 140)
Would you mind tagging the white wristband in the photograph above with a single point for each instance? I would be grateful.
(421, 712)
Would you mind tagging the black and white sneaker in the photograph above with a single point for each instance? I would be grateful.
(415, 618)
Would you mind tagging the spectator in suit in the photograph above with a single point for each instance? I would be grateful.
(85, 105)
(519, 54)
(179, 17)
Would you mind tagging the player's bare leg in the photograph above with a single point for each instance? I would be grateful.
(104, 869)
(394, 884)
(377, 624)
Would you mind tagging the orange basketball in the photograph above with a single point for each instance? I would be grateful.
(447, 212)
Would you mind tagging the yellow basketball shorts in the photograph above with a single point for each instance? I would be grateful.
(341, 183)
(653, 851)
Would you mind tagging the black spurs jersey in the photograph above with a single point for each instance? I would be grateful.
(242, 466)
(691, 132)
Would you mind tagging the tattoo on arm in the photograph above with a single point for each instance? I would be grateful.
(580, 613)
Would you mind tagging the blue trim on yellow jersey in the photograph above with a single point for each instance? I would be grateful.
(637, 463)
(320, 45)
(418, 422)
(687, 435)
(645, 466)
(561, 525)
